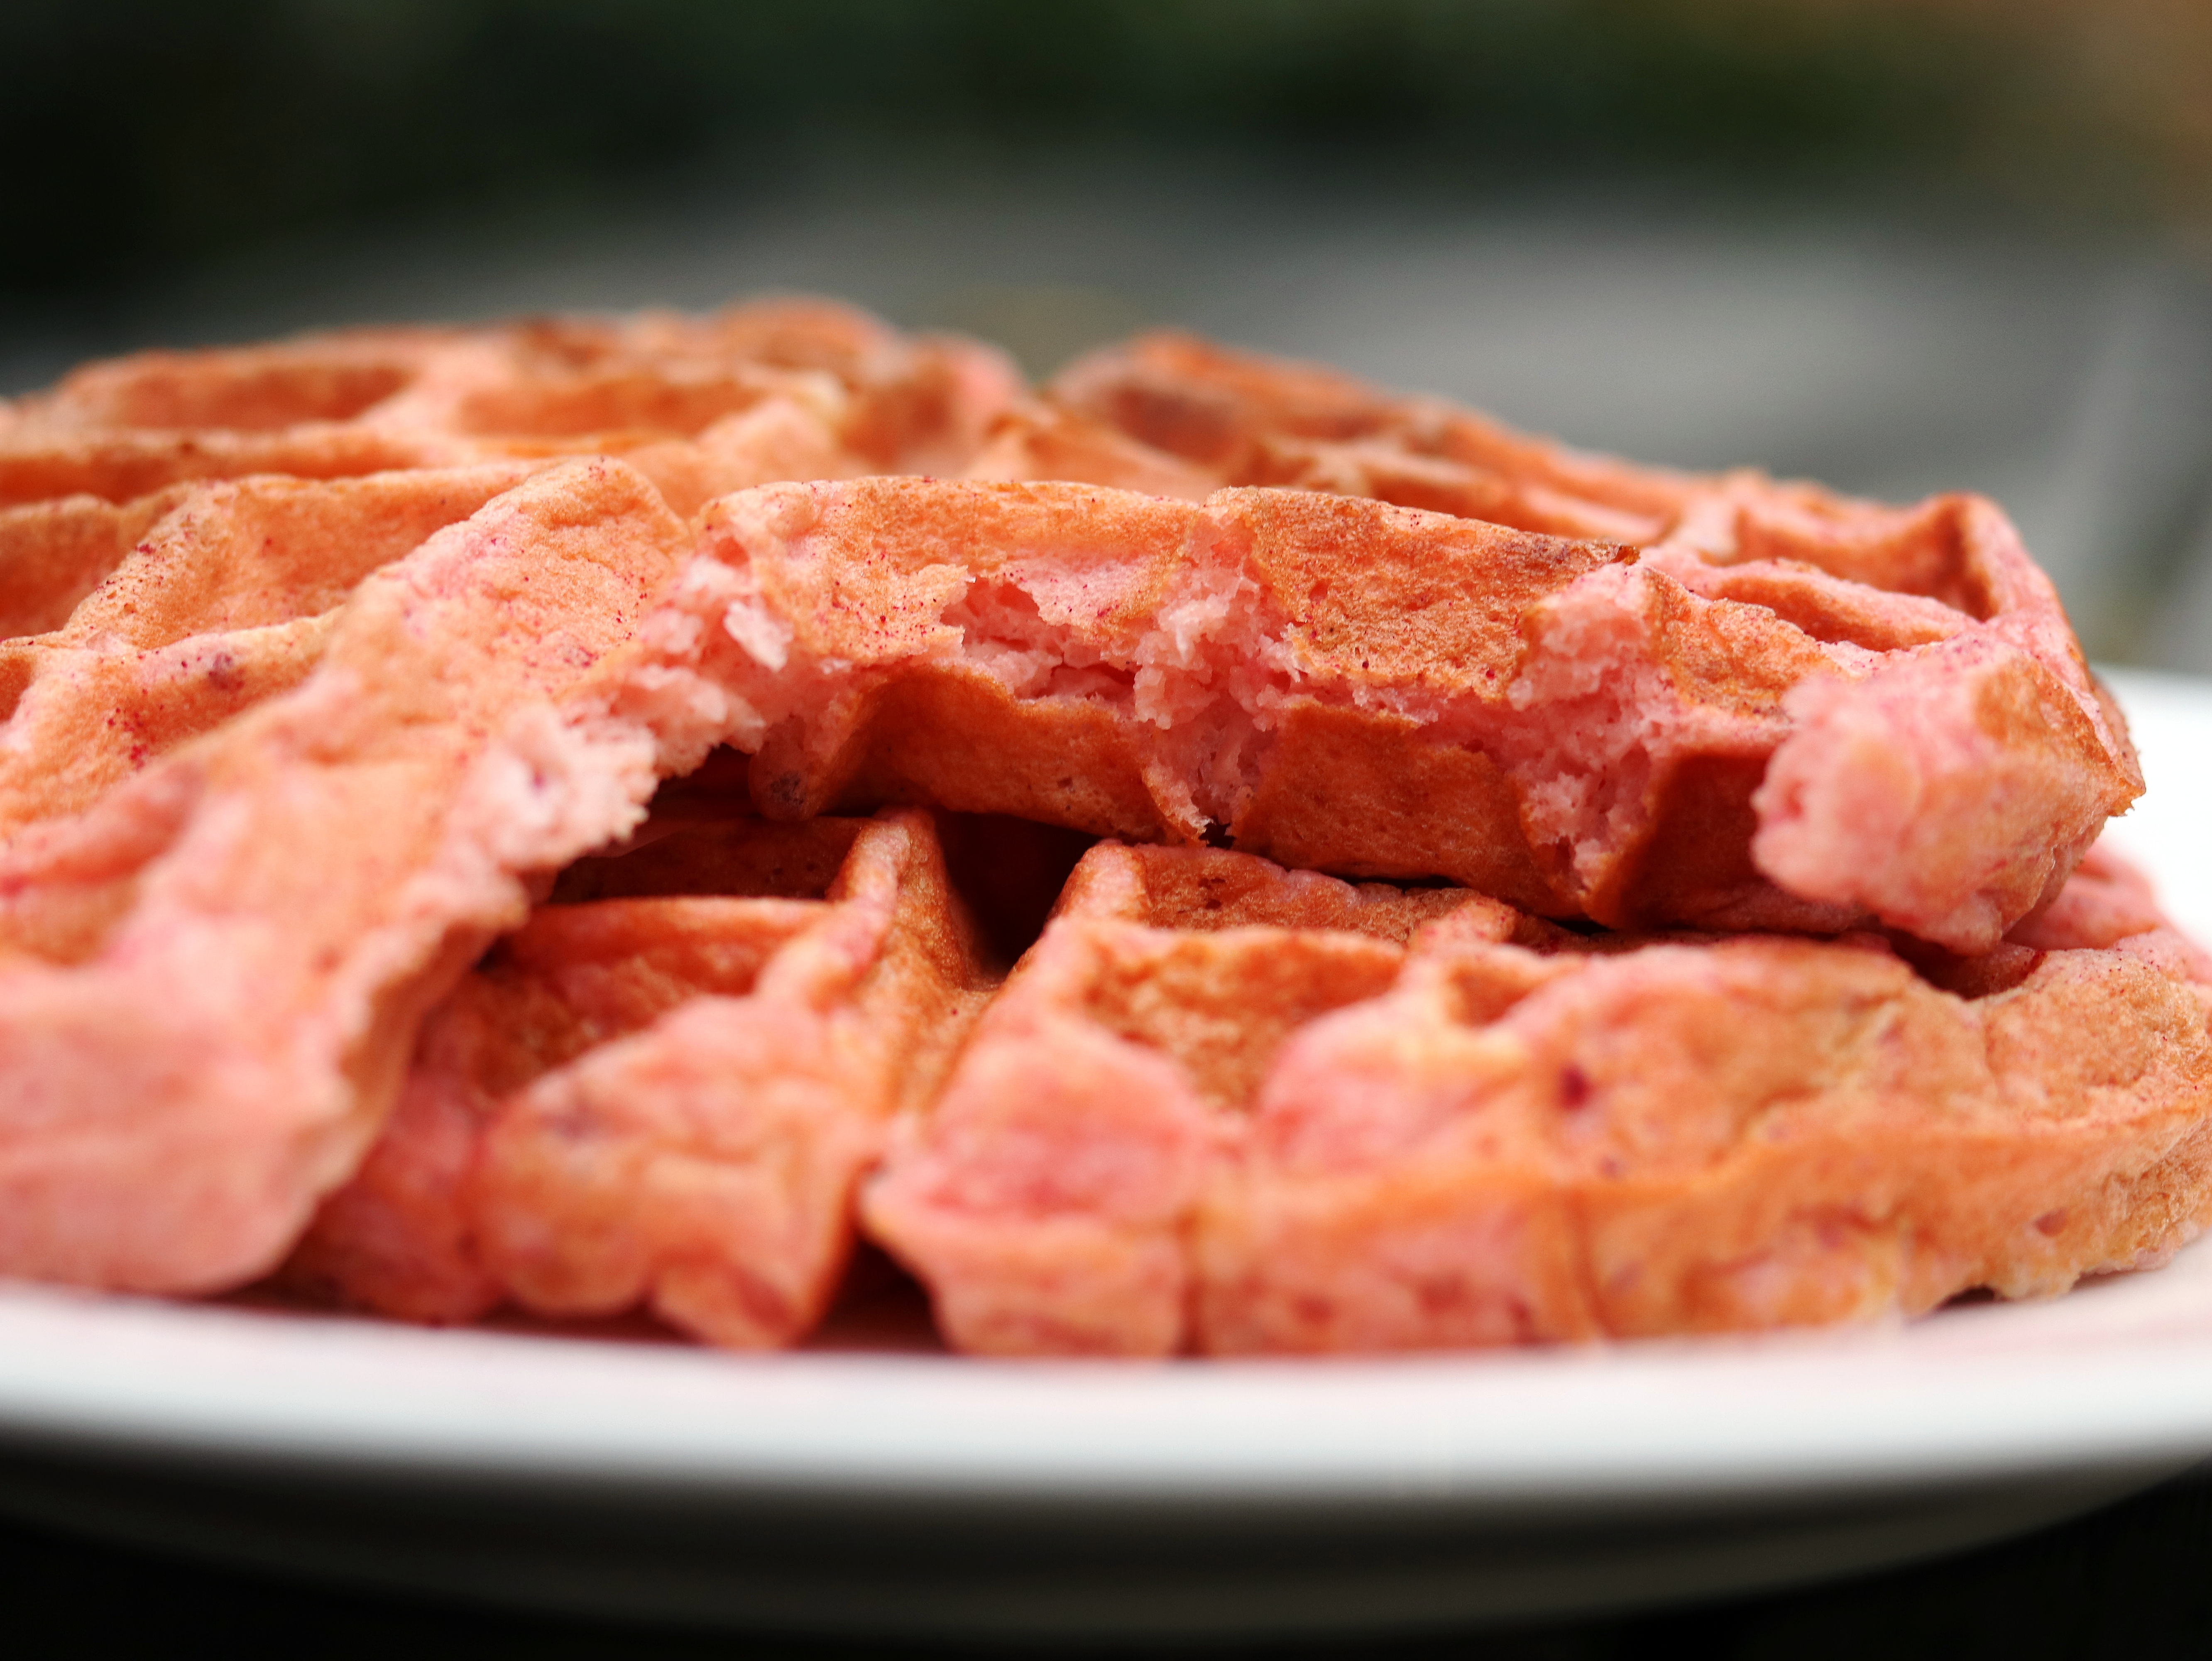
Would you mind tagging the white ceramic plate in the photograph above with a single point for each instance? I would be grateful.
(918, 1492)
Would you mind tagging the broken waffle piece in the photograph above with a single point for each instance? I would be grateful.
(1943, 772)
(663, 1088)
(210, 977)
(1296, 1117)
(1360, 688)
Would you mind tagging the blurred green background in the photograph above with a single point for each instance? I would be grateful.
(1901, 244)
(148, 136)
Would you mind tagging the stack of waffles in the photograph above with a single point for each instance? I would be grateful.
(1204, 858)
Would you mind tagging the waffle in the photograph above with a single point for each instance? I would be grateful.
(202, 601)
(1036, 441)
(1230, 1108)
(1240, 419)
(662, 1088)
(326, 665)
(210, 974)
(701, 405)
(304, 656)
(1945, 721)
(1643, 740)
